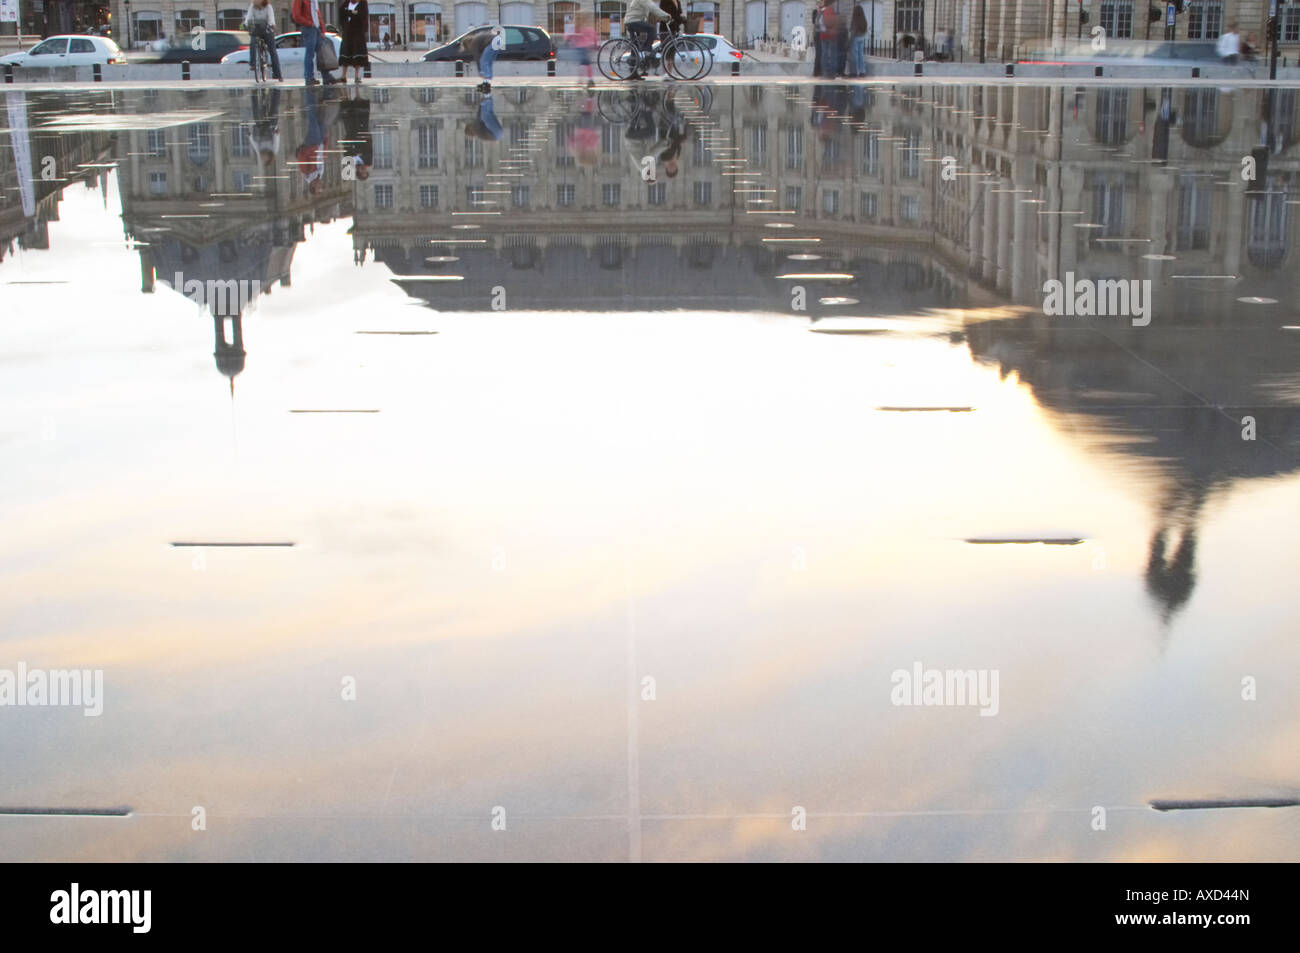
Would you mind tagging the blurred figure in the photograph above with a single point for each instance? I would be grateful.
(585, 42)
(355, 17)
(311, 154)
(1229, 46)
(828, 40)
(480, 47)
(266, 126)
(486, 127)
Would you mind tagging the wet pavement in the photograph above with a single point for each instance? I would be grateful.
(569, 475)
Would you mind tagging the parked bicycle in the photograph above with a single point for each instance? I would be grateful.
(682, 57)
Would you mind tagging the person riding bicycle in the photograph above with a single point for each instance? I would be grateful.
(640, 17)
(260, 21)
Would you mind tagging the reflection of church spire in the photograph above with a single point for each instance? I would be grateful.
(229, 346)
(1170, 577)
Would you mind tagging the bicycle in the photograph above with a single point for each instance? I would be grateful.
(259, 54)
(682, 56)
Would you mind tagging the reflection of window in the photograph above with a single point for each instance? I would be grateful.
(240, 142)
(565, 193)
(157, 183)
(1108, 193)
(1117, 18)
(909, 166)
(871, 153)
(611, 193)
(794, 147)
(870, 205)
(157, 144)
(703, 193)
(1111, 123)
(200, 143)
(383, 196)
(908, 16)
(831, 202)
(609, 140)
(909, 209)
(520, 196)
(426, 146)
(1193, 213)
(428, 196)
(1205, 19)
(657, 194)
(756, 139)
(1284, 109)
(563, 134)
(793, 198)
(242, 180)
(1201, 116)
(1267, 224)
(383, 146)
(473, 153)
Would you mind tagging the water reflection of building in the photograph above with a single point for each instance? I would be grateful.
(37, 163)
(218, 201)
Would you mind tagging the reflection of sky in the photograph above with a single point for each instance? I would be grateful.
(655, 474)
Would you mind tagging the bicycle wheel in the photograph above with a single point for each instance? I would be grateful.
(686, 58)
(618, 59)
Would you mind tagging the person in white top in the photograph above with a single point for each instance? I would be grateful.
(260, 21)
(1229, 46)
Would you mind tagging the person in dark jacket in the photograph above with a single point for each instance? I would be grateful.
(355, 17)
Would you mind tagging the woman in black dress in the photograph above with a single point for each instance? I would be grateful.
(354, 15)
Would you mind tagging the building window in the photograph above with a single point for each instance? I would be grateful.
(428, 196)
(657, 194)
(793, 198)
(1205, 19)
(426, 146)
(1291, 25)
(520, 196)
(831, 202)
(703, 193)
(561, 18)
(610, 17)
(870, 205)
(229, 19)
(611, 193)
(157, 183)
(187, 21)
(383, 196)
(565, 194)
(1117, 18)
(909, 209)
(146, 26)
(909, 16)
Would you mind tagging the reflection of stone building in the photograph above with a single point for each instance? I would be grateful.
(37, 165)
(214, 207)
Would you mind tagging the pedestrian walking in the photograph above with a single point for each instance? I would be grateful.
(1229, 46)
(858, 44)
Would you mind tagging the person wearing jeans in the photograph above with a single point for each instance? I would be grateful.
(260, 21)
(306, 13)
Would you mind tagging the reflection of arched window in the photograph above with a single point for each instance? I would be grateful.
(701, 254)
(1194, 209)
(1201, 118)
(561, 17)
(1267, 224)
(200, 143)
(1111, 121)
(524, 253)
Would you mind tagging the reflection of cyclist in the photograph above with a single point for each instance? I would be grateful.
(640, 15)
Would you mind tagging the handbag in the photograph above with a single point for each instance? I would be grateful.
(326, 57)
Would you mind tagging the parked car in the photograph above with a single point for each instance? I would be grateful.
(719, 46)
(213, 46)
(69, 50)
(522, 43)
(288, 47)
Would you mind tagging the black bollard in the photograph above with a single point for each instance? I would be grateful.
(1011, 69)
(916, 70)
(185, 69)
(550, 67)
(98, 72)
(9, 72)
(460, 68)
(735, 68)
(1096, 71)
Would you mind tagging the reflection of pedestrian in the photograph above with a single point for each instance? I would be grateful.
(355, 17)
(311, 154)
(486, 126)
(357, 142)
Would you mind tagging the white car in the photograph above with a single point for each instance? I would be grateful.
(69, 50)
(716, 43)
(288, 46)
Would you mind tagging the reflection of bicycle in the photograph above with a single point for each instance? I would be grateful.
(259, 55)
(625, 105)
(682, 57)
